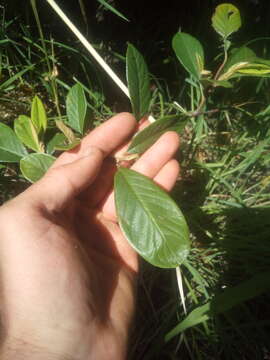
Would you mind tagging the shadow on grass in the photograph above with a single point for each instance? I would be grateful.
(245, 242)
(242, 237)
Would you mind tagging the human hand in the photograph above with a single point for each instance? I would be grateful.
(68, 275)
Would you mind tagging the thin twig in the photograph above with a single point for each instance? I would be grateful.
(92, 51)
(89, 47)
(180, 288)
(223, 64)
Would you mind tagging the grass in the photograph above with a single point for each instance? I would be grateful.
(223, 191)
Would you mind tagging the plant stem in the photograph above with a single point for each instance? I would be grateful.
(223, 63)
(92, 51)
(201, 104)
(181, 288)
(34, 7)
(89, 47)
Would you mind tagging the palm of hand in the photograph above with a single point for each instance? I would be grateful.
(72, 268)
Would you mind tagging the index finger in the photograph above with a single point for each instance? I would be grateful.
(107, 137)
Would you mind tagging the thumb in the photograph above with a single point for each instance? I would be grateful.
(62, 183)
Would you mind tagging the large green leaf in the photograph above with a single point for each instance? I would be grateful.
(38, 115)
(226, 20)
(76, 108)
(34, 166)
(138, 82)
(189, 52)
(26, 132)
(147, 137)
(150, 219)
(233, 296)
(11, 149)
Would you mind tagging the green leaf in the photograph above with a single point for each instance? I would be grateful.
(11, 149)
(260, 60)
(226, 20)
(239, 55)
(147, 137)
(57, 139)
(255, 70)
(150, 220)
(27, 133)
(4, 86)
(65, 147)
(38, 115)
(138, 82)
(189, 52)
(219, 83)
(76, 108)
(112, 9)
(245, 55)
(60, 142)
(68, 133)
(231, 297)
(232, 71)
(246, 69)
(34, 166)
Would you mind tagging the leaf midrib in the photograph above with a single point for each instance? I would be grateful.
(141, 202)
(12, 152)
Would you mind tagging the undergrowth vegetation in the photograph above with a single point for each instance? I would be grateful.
(223, 188)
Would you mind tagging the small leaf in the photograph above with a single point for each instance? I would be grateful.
(65, 147)
(34, 166)
(27, 133)
(231, 297)
(147, 137)
(246, 69)
(68, 133)
(150, 220)
(219, 83)
(57, 139)
(189, 52)
(138, 82)
(226, 20)
(11, 149)
(232, 71)
(255, 70)
(38, 115)
(60, 142)
(240, 55)
(76, 108)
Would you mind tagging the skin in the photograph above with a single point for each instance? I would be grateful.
(68, 275)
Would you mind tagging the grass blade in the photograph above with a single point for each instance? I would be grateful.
(112, 9)
(231, 297)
